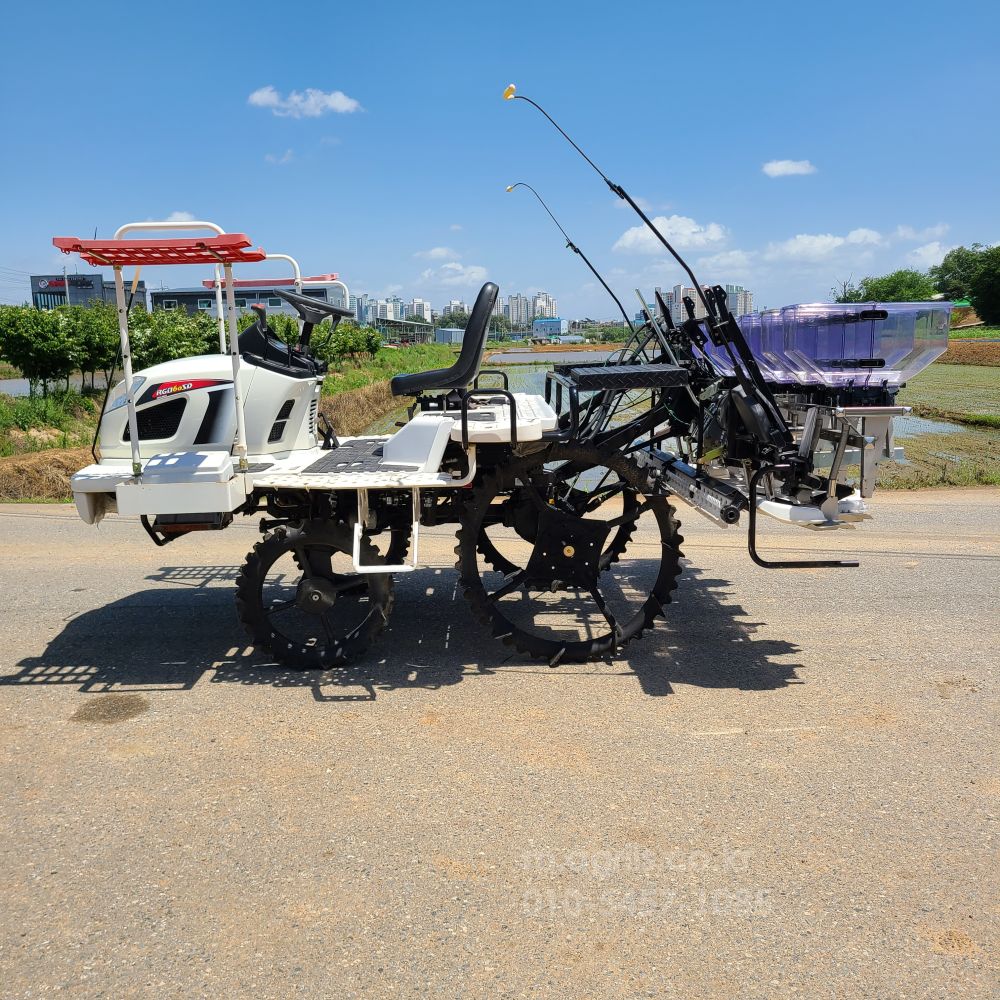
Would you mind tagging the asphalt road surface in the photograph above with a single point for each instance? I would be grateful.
(789, 789)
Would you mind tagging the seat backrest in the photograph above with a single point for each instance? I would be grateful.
(465, 369)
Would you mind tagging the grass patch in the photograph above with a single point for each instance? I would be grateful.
(35, 423)
(967, 394)
(970, 457)
(386, 363)
(8, 370)
(40, 476)
(353, 411)
(974, 333)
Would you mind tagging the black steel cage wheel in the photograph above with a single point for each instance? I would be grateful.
(300, 599)
(550, 558)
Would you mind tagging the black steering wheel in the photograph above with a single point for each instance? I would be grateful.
(312, 310)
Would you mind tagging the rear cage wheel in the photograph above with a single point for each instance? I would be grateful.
(574, 567)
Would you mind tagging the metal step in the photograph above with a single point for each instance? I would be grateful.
(624, 376)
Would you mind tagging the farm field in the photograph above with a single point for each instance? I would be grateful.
(962, 448)
(970, 393)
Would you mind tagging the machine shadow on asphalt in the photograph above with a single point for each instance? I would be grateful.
(172, 637)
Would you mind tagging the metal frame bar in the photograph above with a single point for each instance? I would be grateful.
(296, 272)
(148, 226)
(359, 529)
(472, 394)
(133, 422)
(219, 316)
(234, 352)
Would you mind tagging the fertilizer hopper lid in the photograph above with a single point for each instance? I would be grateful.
(229, 248)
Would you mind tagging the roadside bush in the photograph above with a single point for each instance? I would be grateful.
(348, 341)
(48, 346)
(973, 273)
(39, 344)
(94, 332)
(163, 335)
(985, 295)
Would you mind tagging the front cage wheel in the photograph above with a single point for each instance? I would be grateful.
(299, 597)
(557, 594)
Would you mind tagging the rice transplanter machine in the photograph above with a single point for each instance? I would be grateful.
(567, 543)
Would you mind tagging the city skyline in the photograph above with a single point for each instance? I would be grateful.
(520, 310)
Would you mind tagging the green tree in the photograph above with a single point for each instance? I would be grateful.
(955, 275)
(905, 285)
(455, 320)
(349, 340)
(373, 341)
(846, 291)
(166, 334)
(38, 343)
(605, 333)
(984, 291)
(499, 325)
(95, 330)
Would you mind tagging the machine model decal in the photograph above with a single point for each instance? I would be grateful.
(161, 390)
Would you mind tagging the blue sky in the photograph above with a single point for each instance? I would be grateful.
(378, 145)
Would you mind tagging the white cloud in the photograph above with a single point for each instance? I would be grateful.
(864, 236)
(180, 217)
(682, 232)
(455, 227)
(733, 262)
(787, 168)
(454, 274)
(437, 253)
(927, 255)
(930, 233)
(819, 246)
(280, 160)
(310, 103)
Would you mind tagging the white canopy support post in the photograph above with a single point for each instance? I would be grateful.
(347, 294)
(167, 224)
(133, 423)
(296, 273)
(234, 352)
(220, 315)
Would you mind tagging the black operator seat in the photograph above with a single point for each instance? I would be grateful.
(464, 371)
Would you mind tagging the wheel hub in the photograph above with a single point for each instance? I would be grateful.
(316, 595)
(568, 549)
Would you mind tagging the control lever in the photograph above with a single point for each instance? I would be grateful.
(325, 428)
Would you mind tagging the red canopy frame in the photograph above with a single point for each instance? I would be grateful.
(229, 248)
